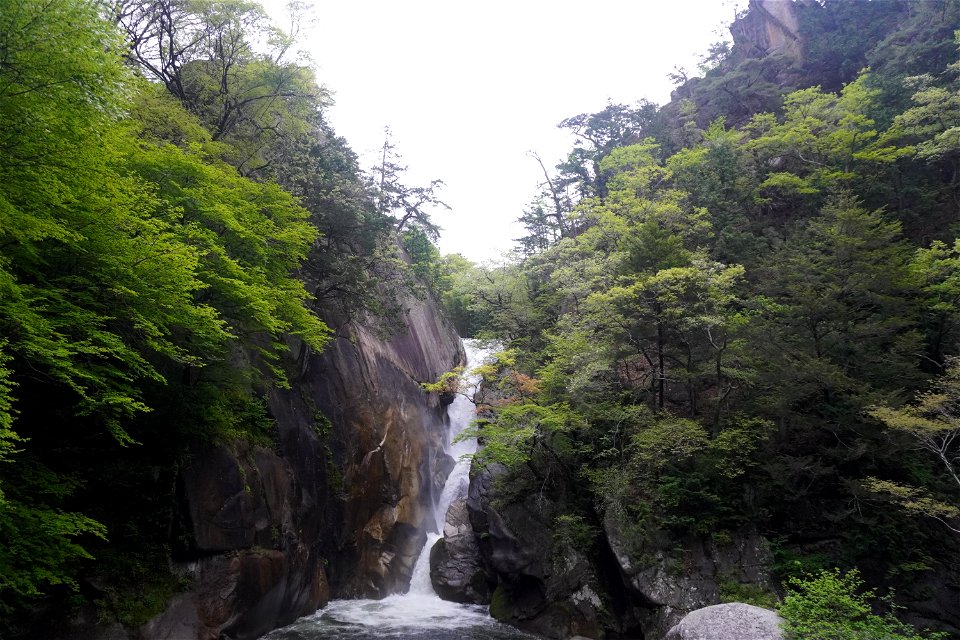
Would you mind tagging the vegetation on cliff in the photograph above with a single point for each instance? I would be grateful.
(173, 210)
(739, 310)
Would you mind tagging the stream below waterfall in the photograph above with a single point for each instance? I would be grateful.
(418, 614)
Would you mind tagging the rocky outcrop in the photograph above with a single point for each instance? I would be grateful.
(456, 566)
(242, 596)
(250, 567)
(545, 583)
(337, 506)
(671, 580)
(768, 27)
(560, 574)
(733, 621)
(385, 443)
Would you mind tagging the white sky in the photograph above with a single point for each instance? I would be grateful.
(468, 88)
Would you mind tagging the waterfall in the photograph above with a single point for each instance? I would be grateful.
(461, 413)
(419, 613)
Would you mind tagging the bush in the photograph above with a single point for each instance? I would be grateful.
(832, 605)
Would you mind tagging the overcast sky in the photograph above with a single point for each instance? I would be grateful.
(469, 88)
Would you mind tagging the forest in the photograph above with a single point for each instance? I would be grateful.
(740, 309)
(736, 311)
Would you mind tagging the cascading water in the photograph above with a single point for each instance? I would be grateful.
(418, 614)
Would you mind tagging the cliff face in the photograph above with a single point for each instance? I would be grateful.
(770, 26)
(338, 506)
(608, 580)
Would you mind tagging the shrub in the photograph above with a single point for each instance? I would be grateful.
(832, 605)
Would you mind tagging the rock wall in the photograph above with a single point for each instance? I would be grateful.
(596, 583)
(544, 582)
(338, 506)
(669, 580)
(769, 26)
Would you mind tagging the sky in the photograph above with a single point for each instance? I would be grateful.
(469, 89)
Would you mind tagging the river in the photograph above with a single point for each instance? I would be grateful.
(418, 614)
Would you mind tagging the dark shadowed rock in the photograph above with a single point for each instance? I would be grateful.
(456, 568)
(672, 580)
(544, 584)
(732, 621)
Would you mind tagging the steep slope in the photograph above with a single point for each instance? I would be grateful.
(340, 507)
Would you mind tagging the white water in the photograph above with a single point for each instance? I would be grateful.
(418, 614)
(461, 413)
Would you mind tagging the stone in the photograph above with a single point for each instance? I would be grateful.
(732, 621)
(456, 568)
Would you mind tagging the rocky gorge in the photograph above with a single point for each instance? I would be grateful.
(339, 508)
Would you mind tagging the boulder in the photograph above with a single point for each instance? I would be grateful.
(456, 568)
(732, 621)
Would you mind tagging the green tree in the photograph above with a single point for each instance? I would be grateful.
(839, 320)
(932, 423)
(204, 53)
(834, 606)
(409, 206)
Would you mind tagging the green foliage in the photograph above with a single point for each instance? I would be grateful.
(722, 288)
(733, 591)
(147, 285)
(572, 531)
(448, 382)
(43, 544)
(933, 423)
(518, 432)
(834, 606)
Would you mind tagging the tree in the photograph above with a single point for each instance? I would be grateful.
(204, 54)
(932, 422)
(407, 205)
(838, 318)
(597, 135)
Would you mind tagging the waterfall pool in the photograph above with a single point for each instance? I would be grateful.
(408, 616)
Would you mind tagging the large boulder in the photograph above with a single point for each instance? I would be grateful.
(456, 568)
(732, 621)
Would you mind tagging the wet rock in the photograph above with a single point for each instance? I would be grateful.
(384, 450)
(732, 621)
(456, 568)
